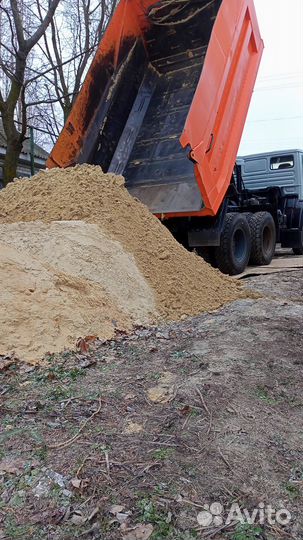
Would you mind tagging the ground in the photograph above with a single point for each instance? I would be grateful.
(137, 438)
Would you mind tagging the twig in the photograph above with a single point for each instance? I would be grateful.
(107, 462)
(203, 402)
(206, 410)
(281, 532)
(186, 501)
(77, 436)
(224, 459)
(82, 465)
(210, 423)
(186, 421)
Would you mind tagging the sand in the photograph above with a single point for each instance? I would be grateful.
(46, 311)
(113, 244)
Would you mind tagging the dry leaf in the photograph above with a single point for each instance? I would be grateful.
(11, 466)
(93, 513)
(77, 518)
(76, 482)
(164, 392)
(129, 396)
(116, 509)
(90, 339)
(79, 483)
(25, 383)
(161, 394)
(140, 532)
(82, 345)
(185, 410)
(132, 427)
(122, 517)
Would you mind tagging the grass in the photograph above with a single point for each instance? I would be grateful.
(163, 453)
(262, 393)
(149, 513)
(244, 531)
(60, 373)
(292, 490)
(14, 531)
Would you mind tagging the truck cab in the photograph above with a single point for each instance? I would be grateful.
(283, 169)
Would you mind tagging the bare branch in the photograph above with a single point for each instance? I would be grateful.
(18, 23)
(31, 42)
(45, 101)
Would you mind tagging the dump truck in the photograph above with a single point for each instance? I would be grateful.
(164, 103)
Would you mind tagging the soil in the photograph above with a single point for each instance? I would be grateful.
(133, 438)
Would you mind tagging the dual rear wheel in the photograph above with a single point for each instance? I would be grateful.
(246, 239)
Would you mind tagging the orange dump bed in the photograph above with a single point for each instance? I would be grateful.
(165, 101)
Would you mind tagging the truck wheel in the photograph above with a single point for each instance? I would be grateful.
(208, 254)
(233, 254)
(263, 238)
(298, 251)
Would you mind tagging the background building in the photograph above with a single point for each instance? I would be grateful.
(24, 165)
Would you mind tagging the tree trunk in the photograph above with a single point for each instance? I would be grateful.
(13, 150)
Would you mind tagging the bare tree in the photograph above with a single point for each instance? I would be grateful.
(45, 49)
(68, 47)
(21, 30)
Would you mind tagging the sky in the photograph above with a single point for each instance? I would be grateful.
(275, 119)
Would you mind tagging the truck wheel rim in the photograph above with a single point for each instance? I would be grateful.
(239, 245)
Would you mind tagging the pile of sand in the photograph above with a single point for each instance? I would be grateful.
(108, 264)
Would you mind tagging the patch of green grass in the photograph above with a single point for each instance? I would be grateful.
(57, 495)
(262, 393)
(17, 501)
(195, 412)
(59, 372)
(244, 531)
(50, 357)
(58, 393)
(177, 355)
(292, 490)
(67, 354)
(297, 473)
(14, 531)
(161, 521)
(155, 376)
(160, 489)
(7, 434)
(163, 453)
(186, 535)
(41, 453)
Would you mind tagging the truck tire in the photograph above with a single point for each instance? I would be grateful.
(234, 252)
(208, 254)
(298, 251)
(263, 238)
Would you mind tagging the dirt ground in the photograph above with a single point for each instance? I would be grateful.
(137, 438)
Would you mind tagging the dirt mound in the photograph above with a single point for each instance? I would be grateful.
(43, 310)
(122, 251)
(65, 280)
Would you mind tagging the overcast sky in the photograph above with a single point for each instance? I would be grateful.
(275, 119)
